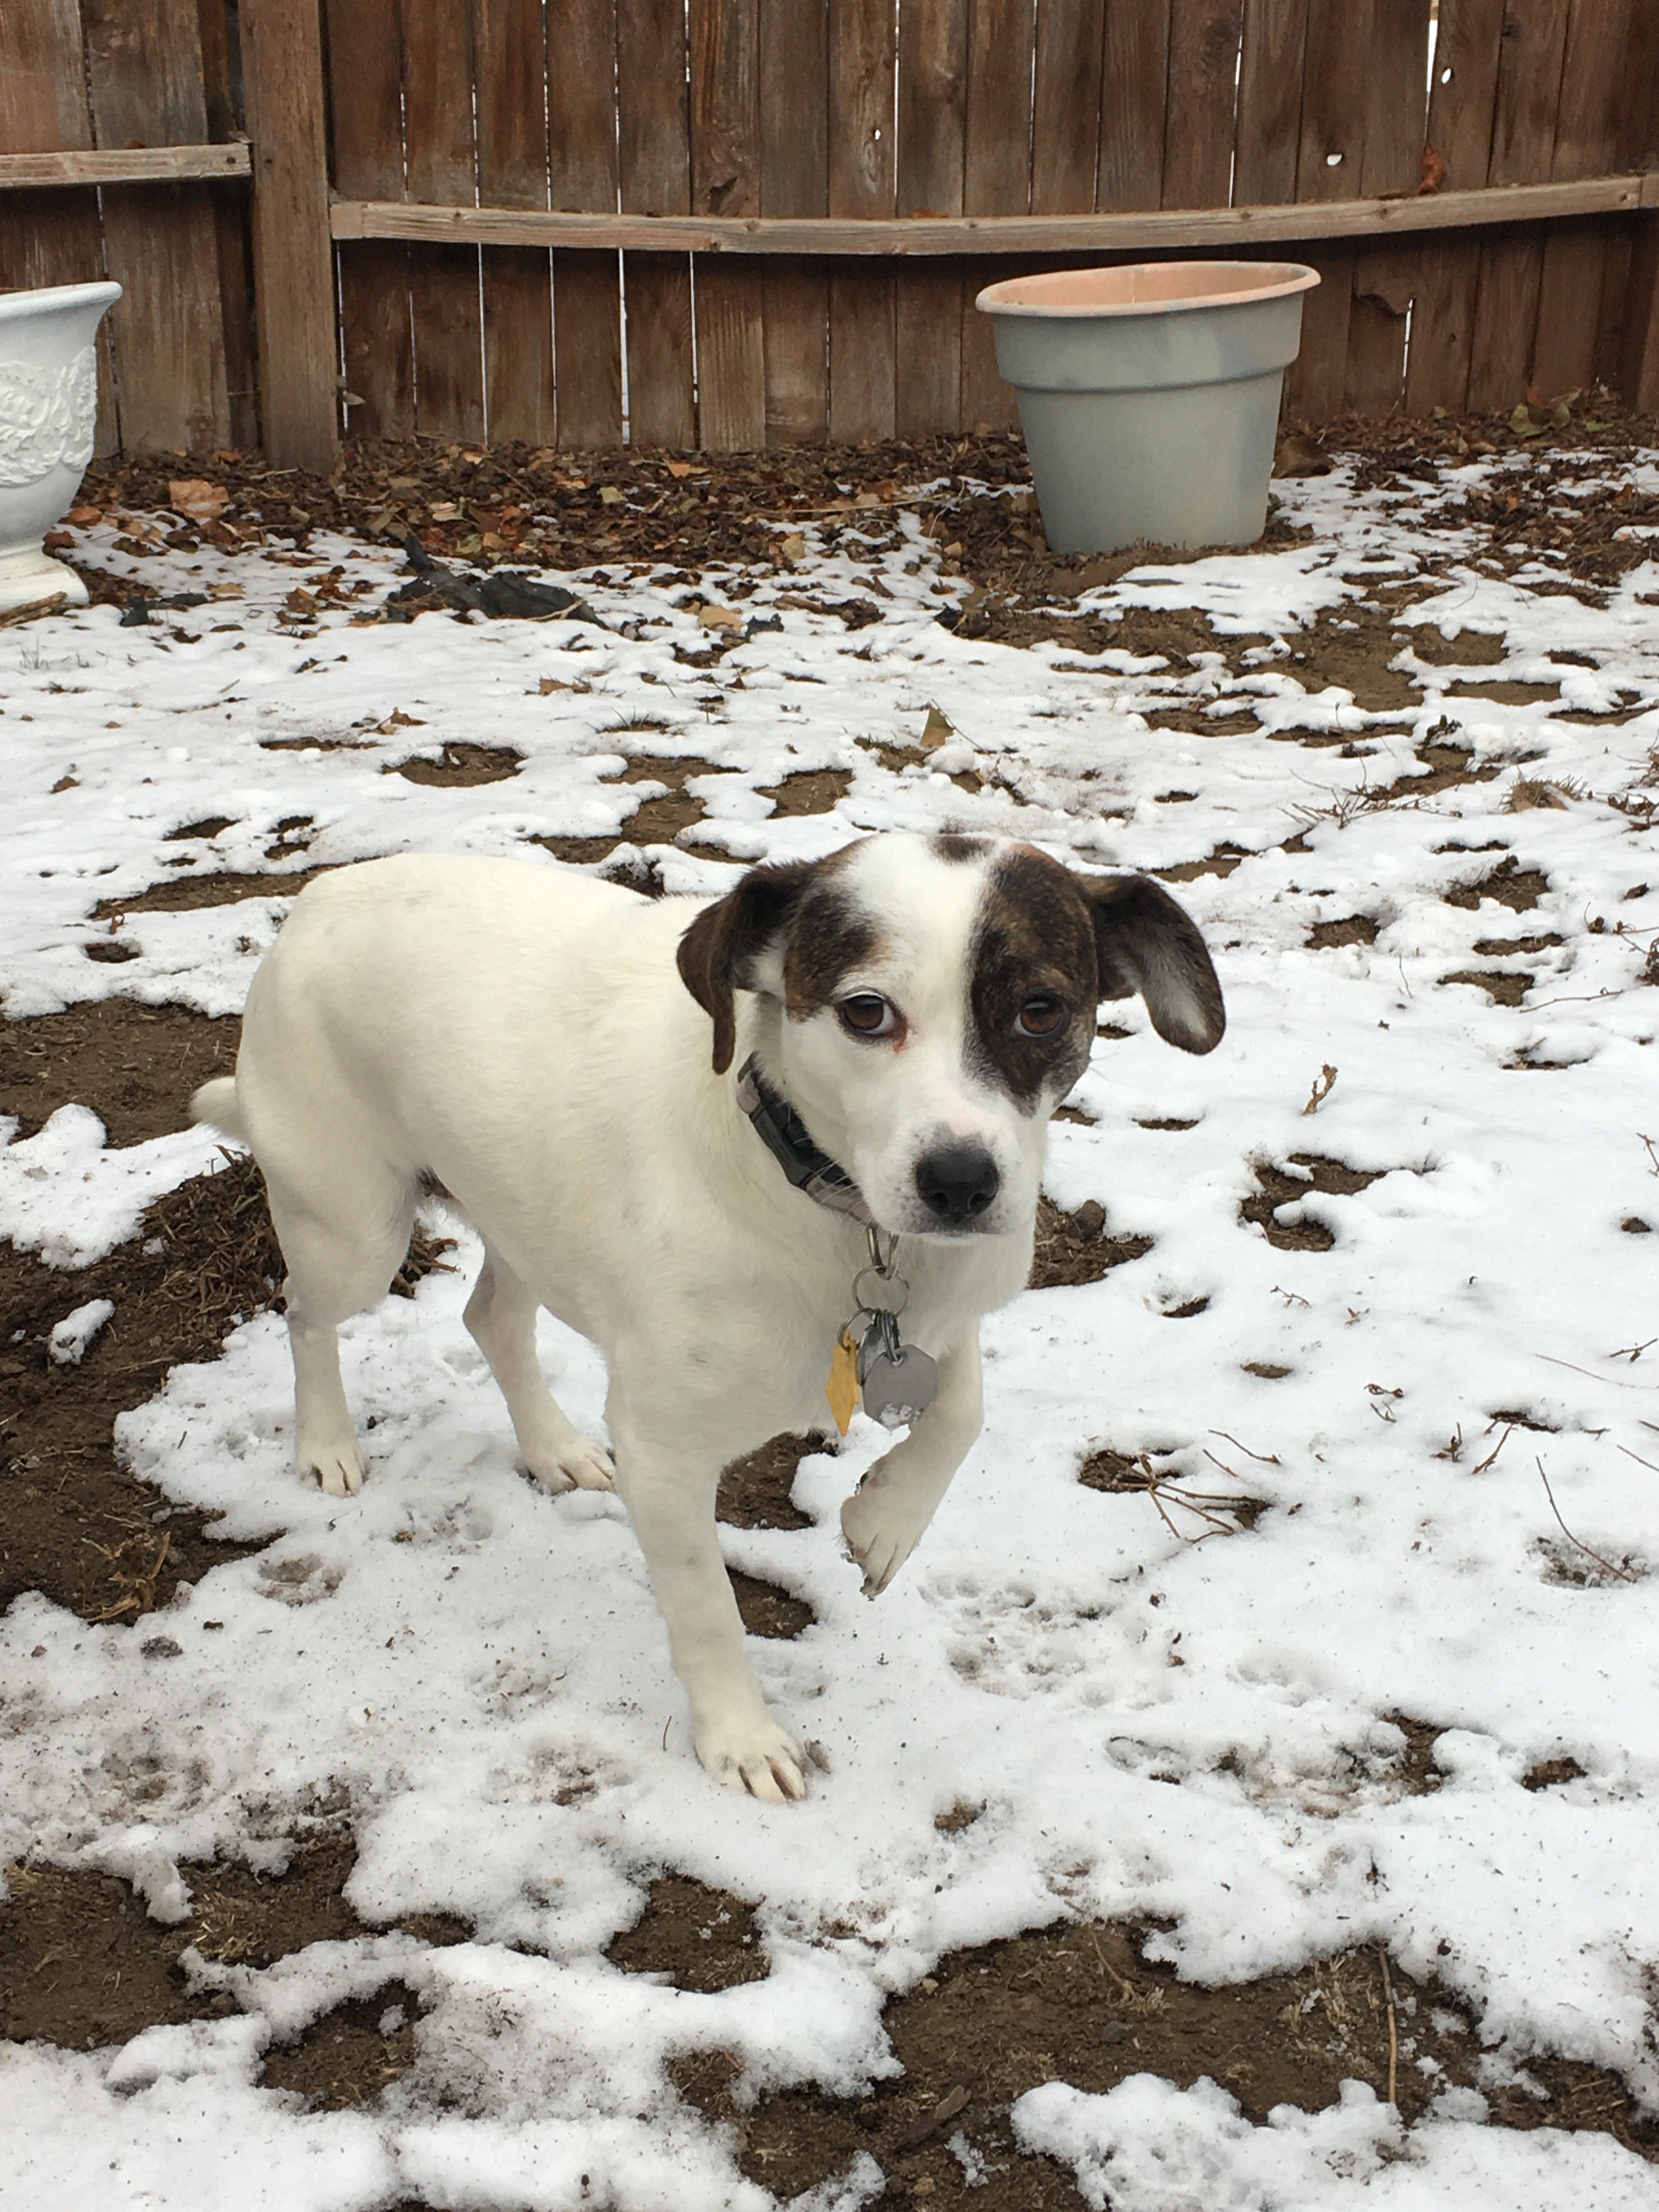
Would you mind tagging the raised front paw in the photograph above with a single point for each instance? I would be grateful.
(881, 1526)
(753, 1754)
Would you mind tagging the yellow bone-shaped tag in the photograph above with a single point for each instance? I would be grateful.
(842, 1388)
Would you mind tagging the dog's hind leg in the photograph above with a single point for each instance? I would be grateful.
(338, 1262)
(500, 1315)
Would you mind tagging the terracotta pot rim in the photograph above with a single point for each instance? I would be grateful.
(1165, 287)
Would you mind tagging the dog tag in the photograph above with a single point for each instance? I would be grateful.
(898, 1388)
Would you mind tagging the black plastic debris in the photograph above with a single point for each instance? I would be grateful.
(504, 594)
(139, 608)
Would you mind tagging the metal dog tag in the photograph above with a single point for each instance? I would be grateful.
(899, 1382)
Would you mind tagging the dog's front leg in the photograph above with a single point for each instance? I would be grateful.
(884, 1519)
(670, 1497)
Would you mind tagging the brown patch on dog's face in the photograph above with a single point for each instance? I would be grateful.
(1036, 941)
(828, 940)
(955, 845)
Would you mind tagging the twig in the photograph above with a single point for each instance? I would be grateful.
(1493, 1453)
(1612, 1381)
(1653, 1156)
(1394, 2029)
(1324, 1084)
(1631, 1351)
(1623, 1573)
(1267, 1459)
(1638, 1457)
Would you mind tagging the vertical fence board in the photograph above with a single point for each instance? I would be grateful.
(1599, 42)
(725, 83)
(1629, 330)
(1384, 279)
(443, 280)
(282, 46)
(586, 286)
(1523, 149)
(1330, 156)
(51, 238)
(654, 178)
(1071, 44)
(231, 231)
(795, 157)
(1135, 93)
(365, 74)
(932, 109)
(516, 287)
(1463, 95)
(996, 179)
(1201, 102)
(1269, 125)
(862, 182)
(145, 75)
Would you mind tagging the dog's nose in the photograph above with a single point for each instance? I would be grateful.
(958, 1182)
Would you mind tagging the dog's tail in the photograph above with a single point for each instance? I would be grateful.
(216, 1103)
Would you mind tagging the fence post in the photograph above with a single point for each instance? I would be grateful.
(293, 250)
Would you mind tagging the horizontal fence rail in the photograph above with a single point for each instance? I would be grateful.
(738, 222)
(1237, 228)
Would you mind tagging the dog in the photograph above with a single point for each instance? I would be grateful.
(703, 1132)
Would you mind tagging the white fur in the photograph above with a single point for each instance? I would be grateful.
(522, 1033)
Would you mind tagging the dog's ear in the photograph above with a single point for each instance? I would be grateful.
(716, 950)
(1144, 942)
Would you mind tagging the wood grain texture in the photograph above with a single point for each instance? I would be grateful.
(1070, 47)
(440, 157)
(365, 82)
(1202, 100)
(1589, 133)
(661, 405)
(1269, 125)
(130, 165)
(293, 265)
(1134, 92)
(996, 176)
(988, 403)
(1396, 122)
(727, 301)
(1462, 96)
(654, 178)
(1154, 230)
(145, 78)
(863, 184)
(724, 71)
(1531, 51)
(795, 157)
(516, 284)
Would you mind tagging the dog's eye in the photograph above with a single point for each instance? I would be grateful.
(1042, 1017)
(868, 1014)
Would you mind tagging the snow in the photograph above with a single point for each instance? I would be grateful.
(1188, 1733)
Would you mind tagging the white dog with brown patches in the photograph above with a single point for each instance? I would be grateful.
(892, 1027)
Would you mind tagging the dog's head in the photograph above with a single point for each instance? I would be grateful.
(926, 1003)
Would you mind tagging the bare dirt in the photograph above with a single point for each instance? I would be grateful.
(80, 1964)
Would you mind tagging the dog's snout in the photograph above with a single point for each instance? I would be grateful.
(958, 1183)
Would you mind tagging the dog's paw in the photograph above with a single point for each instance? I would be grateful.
(881, 1532)
(756, 1756)
(574, 1463)
(335, 1469)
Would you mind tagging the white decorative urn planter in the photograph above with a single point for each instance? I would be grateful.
(48, 407)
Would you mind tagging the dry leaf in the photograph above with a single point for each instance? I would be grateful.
(226, 591)
(396, 720)
(197, 498)
(792, 547)
(549, 684)
(1435, 171)
(610, 496)
(719, 618)
(443, 510)
(678, 468)
(935, 730)
(84, 517)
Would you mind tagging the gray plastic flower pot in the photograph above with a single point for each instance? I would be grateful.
(1149, 396)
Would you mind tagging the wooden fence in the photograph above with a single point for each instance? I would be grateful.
(736, 222)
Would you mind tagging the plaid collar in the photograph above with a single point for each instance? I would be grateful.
(786, 1138)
